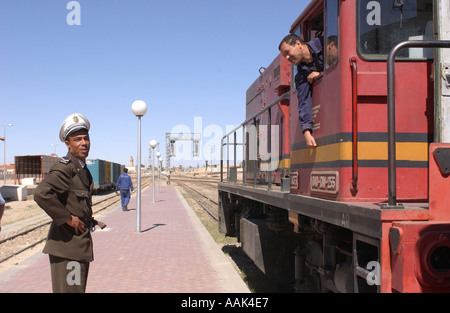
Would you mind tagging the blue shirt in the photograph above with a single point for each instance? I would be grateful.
(124, 182)
(304, 89)
(2, 201)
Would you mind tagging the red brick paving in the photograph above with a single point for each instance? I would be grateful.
(171, 254)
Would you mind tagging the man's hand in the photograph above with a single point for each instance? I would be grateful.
(310, 141)
(77, 224)
(312, 77)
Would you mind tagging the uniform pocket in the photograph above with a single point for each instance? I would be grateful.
(83, 203)
(81, 194)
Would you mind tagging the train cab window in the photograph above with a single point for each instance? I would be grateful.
(310, 29)
(331, 41)
(315, 28)
(384, 23)
(293, 67)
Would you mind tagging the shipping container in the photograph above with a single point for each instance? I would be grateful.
(33, 166)
(115, 173)
(108, 180)
(98, 171)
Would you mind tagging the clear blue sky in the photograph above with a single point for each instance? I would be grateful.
(185, 59)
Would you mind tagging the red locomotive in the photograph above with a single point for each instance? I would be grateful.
(366, 210)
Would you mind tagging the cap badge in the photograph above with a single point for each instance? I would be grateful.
(75, 119)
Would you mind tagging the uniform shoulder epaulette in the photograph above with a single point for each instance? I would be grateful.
(65, 160)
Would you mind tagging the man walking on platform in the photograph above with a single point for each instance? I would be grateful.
(124, 183)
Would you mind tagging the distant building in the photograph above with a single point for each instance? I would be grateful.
(131, 168)
(10, 169)
(33, 166)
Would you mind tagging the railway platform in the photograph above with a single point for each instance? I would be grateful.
(173, 253)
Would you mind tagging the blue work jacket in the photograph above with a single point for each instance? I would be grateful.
(304, 89)
(124, 182)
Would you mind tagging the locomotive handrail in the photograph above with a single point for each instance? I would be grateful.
(254, 116)
(283, 96)
(354, 123)
(392, 183)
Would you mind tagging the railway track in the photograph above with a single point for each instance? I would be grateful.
(204, 198)
(20, 242)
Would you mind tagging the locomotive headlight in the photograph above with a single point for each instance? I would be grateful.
(440, 259)
(433, 268)
(437, 255)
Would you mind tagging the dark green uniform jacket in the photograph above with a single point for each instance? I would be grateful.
(62, 194)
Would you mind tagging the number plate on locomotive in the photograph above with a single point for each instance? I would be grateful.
(294, 180)
(325, 182)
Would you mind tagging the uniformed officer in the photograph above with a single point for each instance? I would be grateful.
(65, 195)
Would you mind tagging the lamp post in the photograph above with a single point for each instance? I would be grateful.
(160, 169)
(153, 144)
(139, 108)
(158, 158)
(4, 152)
(54, 145)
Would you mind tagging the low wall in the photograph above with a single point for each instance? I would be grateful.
(14, 192)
